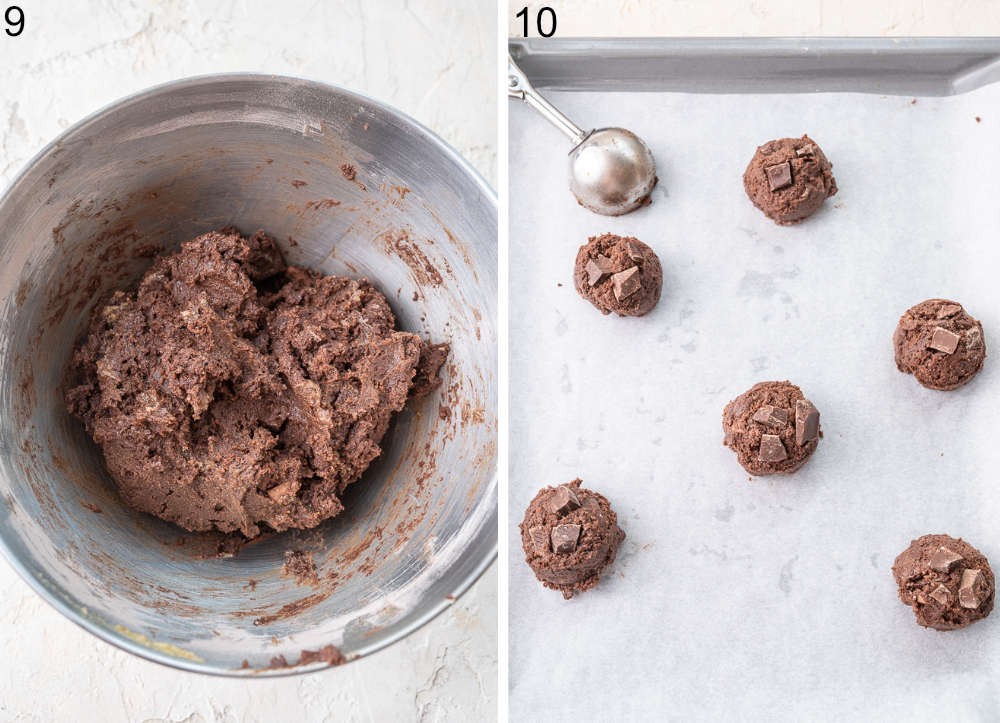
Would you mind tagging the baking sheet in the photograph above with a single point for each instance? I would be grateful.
(895, 66)
(771, 599)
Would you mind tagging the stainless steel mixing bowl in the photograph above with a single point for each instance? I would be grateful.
(258, 152)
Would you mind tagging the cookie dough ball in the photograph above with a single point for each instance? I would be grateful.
(939, 344)
(772, 428)
(947, 582)
(619, 274)
(788, 179)
(570, 535)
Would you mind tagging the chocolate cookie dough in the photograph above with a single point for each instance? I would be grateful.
(570, 535)
(619, 274)
(300, 565)
(939, 344)
(232, 392)
(788, 179)
(947, 582)
(772, 428)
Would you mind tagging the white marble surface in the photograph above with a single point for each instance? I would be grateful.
(768, 600)
(648, 18)
(72, 59)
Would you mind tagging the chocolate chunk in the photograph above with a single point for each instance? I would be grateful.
(626, 282)
(564, 538)
(807, 150)
(973, 338)
(972, 590)
(283, 490)
(539, 538)
(633, 251)
(943, 560)
(941, 595)
(806, 422)
(563, 501)
(771, 448)
(776, 417)
(594, 273)
(779, 176)
(598, 269)
(944, 340)
(948, 310)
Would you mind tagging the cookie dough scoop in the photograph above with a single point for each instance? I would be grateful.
(611, 170)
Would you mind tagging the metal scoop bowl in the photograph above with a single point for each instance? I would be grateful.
(611, 170)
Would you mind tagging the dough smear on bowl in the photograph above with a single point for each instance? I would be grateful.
(232, 392)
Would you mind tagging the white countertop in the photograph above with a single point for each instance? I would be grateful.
(74, 58)
(716, 18)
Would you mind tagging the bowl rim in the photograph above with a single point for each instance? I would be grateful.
(121, 641)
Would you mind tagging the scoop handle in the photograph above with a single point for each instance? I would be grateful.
(519, 87)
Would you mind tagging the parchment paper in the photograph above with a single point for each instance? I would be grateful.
(771, 599)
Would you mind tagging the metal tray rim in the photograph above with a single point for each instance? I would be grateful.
(919, 65)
